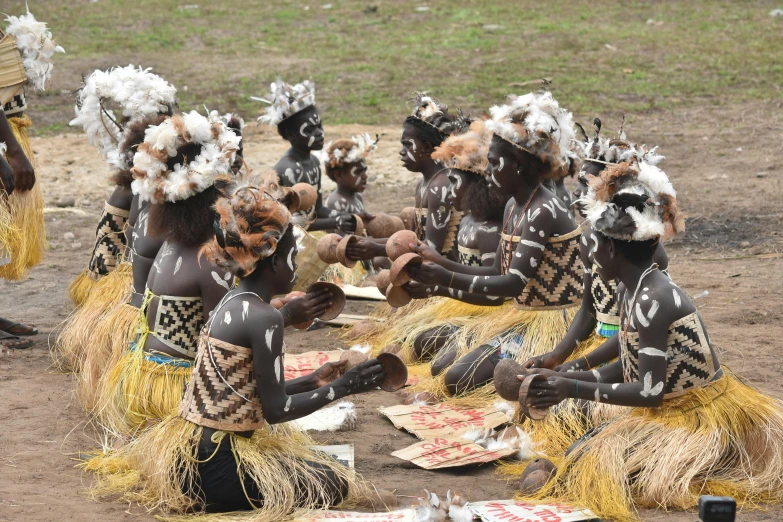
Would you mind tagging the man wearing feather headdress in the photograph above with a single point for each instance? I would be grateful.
(26, 48)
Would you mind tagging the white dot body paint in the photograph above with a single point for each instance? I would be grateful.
(472, 284)
(178, 265)
(532, 229)
(645, 297)
(584, 240)
(541, 233)
(533, 262)
(645, 289)
(640, 316)
(615, 386)
(517, 254)
(227, 317)
(289, 174)
(501, 163)
(330, 395)
(596, 375)
(288, 404)
(677, 299)
(220, 281)
(278, 368)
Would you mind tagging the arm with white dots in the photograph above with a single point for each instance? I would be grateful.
(440, 205)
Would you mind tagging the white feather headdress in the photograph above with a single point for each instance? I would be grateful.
(286, 100)
(35, 42)
(536, 123)
(617, 149)
(346, 151)
(154, 182)
(137, 92)
(633, 201)
(465, 151)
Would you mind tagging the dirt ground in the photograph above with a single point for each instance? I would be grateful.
(721, 161)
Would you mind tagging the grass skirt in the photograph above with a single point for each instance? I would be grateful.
(112, 337)
(540, 331)
(140, 388)
(22, 229)
(81, 287)
(87, 329)
(155, 469)
(723, 439)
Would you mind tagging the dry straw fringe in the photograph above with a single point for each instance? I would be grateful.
(22, 228)
(156, 469)
(541, 330)
(137, 391)
(78, 333)
(112, 338)
(81, 287)
(723, 439)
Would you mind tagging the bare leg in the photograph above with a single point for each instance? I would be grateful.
(430, 342)
(443, 359)
(473, 370)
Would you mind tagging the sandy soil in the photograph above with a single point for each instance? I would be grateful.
(722, 165)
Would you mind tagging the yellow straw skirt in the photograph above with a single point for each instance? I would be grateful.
(111, 339)
(141, 388)
(532, 332)
(22, 229)
(155, 470)
(81, 287)
(723, 439)
(86, 329)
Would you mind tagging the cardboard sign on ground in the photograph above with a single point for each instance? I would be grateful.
(301, 364)
(518, 511)
(342, 453)
(449, 452)
(442, 420)
(401, 515)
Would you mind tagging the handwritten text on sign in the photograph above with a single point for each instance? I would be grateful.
(301, 364)
(442, 420)
(448, 452)
(518, 511)
(402, 515)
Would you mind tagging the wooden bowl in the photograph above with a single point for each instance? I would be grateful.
(359, 226)
(383, 280)
(292, 201)
(308, 195)
(350, 263)
(327, 248)
(539, 465)
(398, 243)
(392, 348)
(533, 482)
(353, 357)
(384, 225)
(505, 379)
(359, 330)
(338, 299)
(398, 273)
(396, 296)
(395, 370)
(532, 413)
(407, 216)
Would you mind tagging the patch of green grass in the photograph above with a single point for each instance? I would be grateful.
(365, 63)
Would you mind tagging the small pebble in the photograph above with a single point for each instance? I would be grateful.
(69, 236)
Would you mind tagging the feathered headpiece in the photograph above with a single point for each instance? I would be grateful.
(35, 42)
(617, 149)
(536, 123)
(347, 151)
(137, 92)
(155, 182)
(252, 216)
(233, 120)
(286, 100)
(633, 201)
(430, 112)
(465, 151)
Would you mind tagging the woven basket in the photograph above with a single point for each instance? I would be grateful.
(311, 268)
(12, 74)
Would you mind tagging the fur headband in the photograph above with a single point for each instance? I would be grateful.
(285, 100)
(536, 123)
(155, 182)
(252, 217)
(35, 43)
(137, 92)
(465, 151)
(347, 151)
(633, 201)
